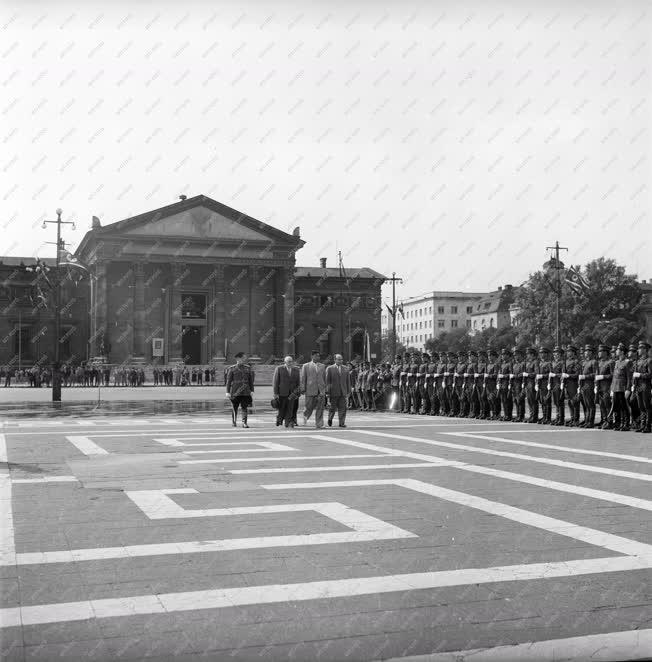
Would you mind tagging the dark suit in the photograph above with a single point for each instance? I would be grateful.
(286, 387)
(338, 388)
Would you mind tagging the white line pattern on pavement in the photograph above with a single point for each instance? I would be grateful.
(281, 458)
(519, 456)
(319, 590)
(528, 517)
(7, 542)
(508, 475)
(533, 444)
(605, 647)
(359, 467)
(86, 446)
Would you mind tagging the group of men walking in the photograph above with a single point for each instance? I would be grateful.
(509, 386)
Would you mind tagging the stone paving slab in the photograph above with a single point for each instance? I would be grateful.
(95, 512)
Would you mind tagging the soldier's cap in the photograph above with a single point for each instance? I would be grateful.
(591, 348)
(642, 344)
(426, 356)
(604, 348)
(398, 356)
(435, 354)
(558, 349)
(621, 345)
(518, 350)
(531, 350)
(482, 352)
(632, 347)
(472, 352)
(571, 348)
(544, 350)
(492, 352)
(452, 353)
(506, 351)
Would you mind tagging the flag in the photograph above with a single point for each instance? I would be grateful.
(389, 310)
(400, 310)
(576, 281)
(368, 347)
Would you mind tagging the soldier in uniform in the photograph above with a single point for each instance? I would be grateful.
(634, 409)
(504, 392)
(412, 383)
(369, 386)
(450, 383)
(587, 379)
(642, 377)
(622, 371)
(491, 384)
(422, 385)
(431, 387)
(483, 406)
(396, 382)
(353, 378)
(570, 385)
(440, 384)
(460, 369)
(405, 395)
(529, 374)
(469, 384)
(386, 376)
(557, 370)
(603, 386)
(543, 383)
(517, 384)
(360, 384)
(240, 388)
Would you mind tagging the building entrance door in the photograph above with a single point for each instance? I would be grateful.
(191, 344)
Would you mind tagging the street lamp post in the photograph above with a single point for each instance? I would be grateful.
(56, 368)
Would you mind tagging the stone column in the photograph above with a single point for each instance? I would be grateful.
(219, 317)
(174, 330)
(288, 311)
(254, 277)
(138, 351)
(99, 330)
(279, 305)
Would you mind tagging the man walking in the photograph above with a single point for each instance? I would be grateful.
(239, 388)
(286, 387)
(337, 389)
(313, 387)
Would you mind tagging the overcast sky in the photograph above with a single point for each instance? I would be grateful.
(450, 142)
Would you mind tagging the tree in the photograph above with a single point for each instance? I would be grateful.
(587, 315)
(387, 347)
(457, 340)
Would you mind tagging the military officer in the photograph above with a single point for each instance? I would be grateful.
(622, 370)
(543, 383)
(483, 360)
(504, 391)
(405, 396)
(396, 380)
(570, 385)
(530, 374)
(424, 402)
(412, 377)
(603, 386)
(440, 384)
(557, 369)
(635, 410)
(517, 384)
(469, 381)
(448, 381)
(458, 385)
(642, 377)
(491, 385)
(587, 379)
(431, 386)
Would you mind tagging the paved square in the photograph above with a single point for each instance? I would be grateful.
(398, 537)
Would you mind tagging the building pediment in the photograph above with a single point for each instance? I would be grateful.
(198, 227)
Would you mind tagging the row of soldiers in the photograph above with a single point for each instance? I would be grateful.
(508, 385)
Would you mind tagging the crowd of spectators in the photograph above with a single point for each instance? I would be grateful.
(121, 375)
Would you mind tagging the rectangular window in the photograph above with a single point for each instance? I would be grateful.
(469, 310)
(440, 324)
(454, 324)
(468, 324)
(453, 310)
(193, 306)
(440, 310)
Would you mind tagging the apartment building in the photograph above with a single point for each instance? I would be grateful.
(427, 316)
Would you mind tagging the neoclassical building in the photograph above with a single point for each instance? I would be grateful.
(195, 281)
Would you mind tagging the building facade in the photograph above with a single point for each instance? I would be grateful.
(192, 282)
(427, 316)
(492, 311)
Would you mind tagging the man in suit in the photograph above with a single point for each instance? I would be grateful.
(313, 387)
(286, 387)
(337, 389)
